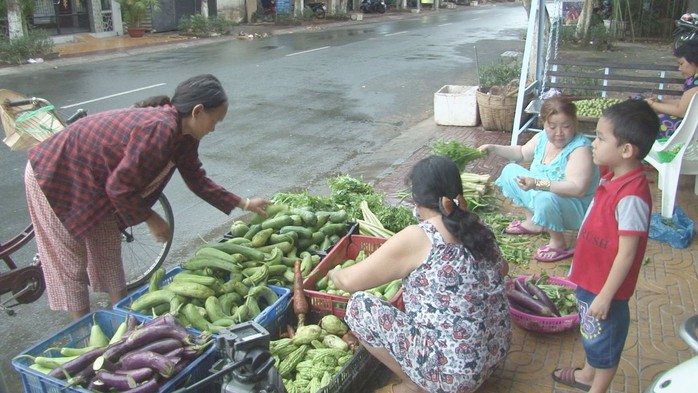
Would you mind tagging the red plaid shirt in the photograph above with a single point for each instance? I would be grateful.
(118, 162)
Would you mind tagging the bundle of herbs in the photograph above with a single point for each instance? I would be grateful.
(460, 153)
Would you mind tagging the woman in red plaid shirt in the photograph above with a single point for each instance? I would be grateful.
(104, 172)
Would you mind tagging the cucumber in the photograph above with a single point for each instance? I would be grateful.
(197, 263)
(339, 216)
(188, 277)
(303, 232)
(254, 228)
(239, 228)
(190, 289)
(215, 253)
(151, 299)
(231, 248)
(277, 222)
(309, 219)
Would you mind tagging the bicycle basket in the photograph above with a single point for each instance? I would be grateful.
(26, 125)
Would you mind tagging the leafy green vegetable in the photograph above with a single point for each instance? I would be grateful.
(460, 153)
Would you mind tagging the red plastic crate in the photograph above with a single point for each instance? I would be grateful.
(347, 248)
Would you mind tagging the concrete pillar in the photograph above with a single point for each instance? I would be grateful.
(94, 7)
(116, 18)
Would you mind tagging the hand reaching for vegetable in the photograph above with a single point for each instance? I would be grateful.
(258, 205)
(159, 228)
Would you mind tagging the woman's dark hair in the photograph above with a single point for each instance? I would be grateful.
(153, 101)
(435, 177)
(689, 51)
(203, 89)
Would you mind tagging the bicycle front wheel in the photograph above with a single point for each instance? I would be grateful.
(141, 254)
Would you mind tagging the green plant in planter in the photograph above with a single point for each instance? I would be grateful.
(498, 74)
(135, 11)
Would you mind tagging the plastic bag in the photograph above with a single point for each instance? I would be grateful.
(678, 231)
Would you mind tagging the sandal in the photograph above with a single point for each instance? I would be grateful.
(551, 254)
(516, 228)
(567, 378)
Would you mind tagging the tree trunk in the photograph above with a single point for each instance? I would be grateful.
(14, 19)
(584, 20)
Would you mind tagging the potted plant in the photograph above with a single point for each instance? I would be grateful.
(135, 11)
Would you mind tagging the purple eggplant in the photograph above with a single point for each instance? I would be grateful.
(542, 297)
(158, 362)
(82, 377)
(529, 302)
(150, 386)
(78, 364)
(181, 365)
(520, 285)
(148, 334)
(116, 381)
(175, 353)
(102, 363)
(138, 374)
(97, 386)
(161, 346)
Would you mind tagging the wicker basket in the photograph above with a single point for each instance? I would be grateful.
(26, 125)
(539, 324)
(497, 106)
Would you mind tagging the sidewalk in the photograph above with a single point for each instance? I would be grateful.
(665, 295)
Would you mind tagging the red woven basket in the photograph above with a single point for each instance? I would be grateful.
(539, 324)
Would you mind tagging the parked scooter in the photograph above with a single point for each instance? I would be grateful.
(319, 9)
(681, 378)
(686, 29)
(369, 6)
(268, 13)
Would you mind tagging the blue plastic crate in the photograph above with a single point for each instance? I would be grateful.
(76, 335)
(267, 318)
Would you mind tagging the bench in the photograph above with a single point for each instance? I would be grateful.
(589, 79)
(615, 80)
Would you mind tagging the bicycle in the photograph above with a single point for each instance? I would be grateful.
(38, 120)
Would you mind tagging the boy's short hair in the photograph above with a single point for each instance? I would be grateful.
(689, 51)
(634, 122)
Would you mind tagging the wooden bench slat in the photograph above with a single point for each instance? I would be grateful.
(623, 89)
(649, 67)
(618, 77)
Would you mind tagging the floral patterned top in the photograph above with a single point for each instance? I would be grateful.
(455, 328)
(669, 123)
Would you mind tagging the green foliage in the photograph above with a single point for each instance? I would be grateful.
(200, 26)
(460, 153)
(498, 74)
(36, 43)
(134, 11)
(26, 7)
(287, 19)
(338, 16)
(599, 37)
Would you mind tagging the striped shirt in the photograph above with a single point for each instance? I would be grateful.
(118, 162)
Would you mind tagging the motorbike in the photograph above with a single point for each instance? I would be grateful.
(369, 6)
(268, 10)
(686, 29)
(680, 378)
(319, 9)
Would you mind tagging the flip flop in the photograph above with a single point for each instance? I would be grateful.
(516, 228)
(554, 254)
(567, 378)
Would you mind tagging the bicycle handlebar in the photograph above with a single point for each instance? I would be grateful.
(24, 101)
